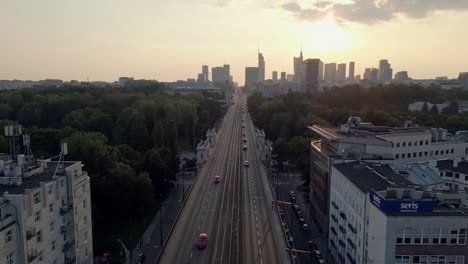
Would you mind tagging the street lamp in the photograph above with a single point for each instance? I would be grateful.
(183, 179)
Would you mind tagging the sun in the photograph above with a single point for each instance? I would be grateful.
(325, 35)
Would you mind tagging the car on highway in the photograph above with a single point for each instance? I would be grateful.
(305, 227)
(246, 163)
(301, 220)
(245, 147)
(202, 241)
(244, 140)
(105, 258)
(292, 194)
(217, 179)
(243, 126)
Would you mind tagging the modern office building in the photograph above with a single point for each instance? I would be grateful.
(357, 140)
(261, 68)
(321, 71)
(298, 62)
(378, 216)
(385, 71)
(351, 71)
(310, 76)
(45, 209)
(274, 76)
(401, 76)
(251, 76)
(330, 72)
(283, 76)
(218, 74)
(341, 72)
(371, 74)
(227, 72)
(205, 73)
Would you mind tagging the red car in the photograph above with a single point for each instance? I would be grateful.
(217, 179)
(105, 258)
(201, 241)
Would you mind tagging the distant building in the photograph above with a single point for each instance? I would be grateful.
(351, 71)
(378, 216)
(275, 76)
(310, 76)
(462, 107)
(330, 72)
(227, 72)
(290, 77)
(371, 74)
(463, 79)
(123, 81)
(261, 67)
(419, 106)
(402, 76)
(251, 76)
(218, 74)
(283, 76)
(45, 210)
(341, 73)
(321, 65)
(298, 62)
(385, 71)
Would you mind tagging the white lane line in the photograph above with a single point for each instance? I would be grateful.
(258, 242)
(257, 225)
(261, 261)
(191, 254)
(258, 235)
(198, 227)
(260, 251)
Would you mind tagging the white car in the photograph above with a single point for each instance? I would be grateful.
(305, 227)
(246, 163)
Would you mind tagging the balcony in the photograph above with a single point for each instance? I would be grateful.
(352, 228)
(341, 242)
(333, 230)
(65, 228)
(32, 255)
(334, 218)
(343, 215)
(342, 229)
(351, 259)
(351, 243)
(334, 205)
(65, 209)
(30, 233)
(67, 246)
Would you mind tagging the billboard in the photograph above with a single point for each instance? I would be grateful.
(400, 206)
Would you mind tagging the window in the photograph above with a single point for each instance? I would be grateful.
(437, 152)
(443, 236)
(37, 198)
(39, 236)
(404, 236)
(85, 220)
(421, 142)
(63, 201)
(10, 258)
(52, 246)
(425, 153)
(403, 155)
(425, 235)
(457, 175)
(409, 144)
(51, 208)
(86, 235)
(466, 177)
(86, 252)
(447, 151)
(435, 235)
(64, 237)
(84, 203)
(420, 154)
(61, 183)
(427, 142)
(398, 144)
(419, 259)
(404, 145)
(49, 189)
(414, 155)
(51, 226)
(409, 155)
(415, 143)
(39, 256)
(452, 151)
(431, 153)
(8, 236)
(417, 236)
(37, 217)
(448, 174)
(397, 156)
(402, 259)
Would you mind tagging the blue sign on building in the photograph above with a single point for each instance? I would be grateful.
(392, 206)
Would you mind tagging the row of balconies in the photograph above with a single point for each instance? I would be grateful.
(66, 208)
(33, 254)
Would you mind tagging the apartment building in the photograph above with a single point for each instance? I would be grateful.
(379, 216)
(45, 211)
(357, 140)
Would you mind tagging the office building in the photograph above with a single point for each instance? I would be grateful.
(298, 62)
(321, 71)
(261, 68)
(341, 73)
(378, 216)
(401, 76)
(310, 76)
(45, 208)
(351, 71)
(205, 73)
(227, 72)
(330, 72)
(274, 76)
(290, 77)
(283, 76)
(218, 74)
(358, 140)
(251, 76)
(371, 74)
(463, 79)
(385, 71)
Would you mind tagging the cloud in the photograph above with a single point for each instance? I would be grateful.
(373, 11)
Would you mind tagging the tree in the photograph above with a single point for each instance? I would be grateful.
(434, 109)
(5, 111)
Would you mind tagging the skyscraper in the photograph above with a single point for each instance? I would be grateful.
(227, 72)
(298, 67)
(351, 71)
(385, 71)
(310, 76)
(371, 74)
(205, 73)
(261, 67)
(330, 72)
(321, 71)
(275, 76)
(283, 76)
(218, 74)
(251, 76)
(341, 73)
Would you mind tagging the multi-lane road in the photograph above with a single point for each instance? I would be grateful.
(237, 214)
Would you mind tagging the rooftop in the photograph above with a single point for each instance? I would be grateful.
(418, 173)
(451, 165)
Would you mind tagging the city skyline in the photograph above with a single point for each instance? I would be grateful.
(157, 45)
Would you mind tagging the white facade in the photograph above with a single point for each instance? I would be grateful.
(418, 106)
(53, 214)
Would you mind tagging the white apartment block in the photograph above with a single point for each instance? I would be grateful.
(45, 212)
(378, 216)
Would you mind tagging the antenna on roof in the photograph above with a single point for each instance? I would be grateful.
(61, 161)
(12, 132)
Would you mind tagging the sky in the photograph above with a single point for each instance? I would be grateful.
(169, 40)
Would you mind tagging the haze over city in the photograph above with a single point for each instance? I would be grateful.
(169, 40)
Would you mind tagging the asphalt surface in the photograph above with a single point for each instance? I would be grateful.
(237, 214)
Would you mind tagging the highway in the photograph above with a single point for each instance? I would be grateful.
(237, 214)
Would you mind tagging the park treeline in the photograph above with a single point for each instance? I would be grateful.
(285, 118)
(128, 140)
